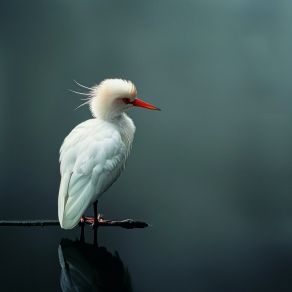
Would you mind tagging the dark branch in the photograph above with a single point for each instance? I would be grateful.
(29, 223)
(128, 223)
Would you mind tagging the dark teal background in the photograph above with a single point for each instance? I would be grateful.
(212, 172)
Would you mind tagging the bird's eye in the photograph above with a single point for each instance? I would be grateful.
(126, 100)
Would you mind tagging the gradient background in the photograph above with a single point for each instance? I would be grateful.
(212, 172)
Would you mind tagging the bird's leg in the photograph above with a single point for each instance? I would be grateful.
(95, 221)
(82, 237)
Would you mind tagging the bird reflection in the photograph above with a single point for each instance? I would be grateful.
(86, 267)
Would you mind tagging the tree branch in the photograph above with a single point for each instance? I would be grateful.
(127, 223)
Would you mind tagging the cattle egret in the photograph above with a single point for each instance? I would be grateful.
(94, 154)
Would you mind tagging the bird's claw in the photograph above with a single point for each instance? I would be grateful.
(92, 221)
(100, 218)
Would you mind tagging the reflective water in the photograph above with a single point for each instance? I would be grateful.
(86, 267)
(47, 260)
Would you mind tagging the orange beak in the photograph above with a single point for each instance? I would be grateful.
(140, 103)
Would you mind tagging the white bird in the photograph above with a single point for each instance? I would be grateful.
(94, 154)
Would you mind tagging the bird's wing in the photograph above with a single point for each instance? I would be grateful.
(92, 158)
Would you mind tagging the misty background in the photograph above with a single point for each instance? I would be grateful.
(211, 172)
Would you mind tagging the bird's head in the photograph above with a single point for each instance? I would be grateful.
(114, 96)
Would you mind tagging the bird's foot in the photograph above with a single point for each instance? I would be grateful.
(91, 220)
(100, 218)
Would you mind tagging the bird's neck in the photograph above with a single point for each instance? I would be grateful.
(125, 125)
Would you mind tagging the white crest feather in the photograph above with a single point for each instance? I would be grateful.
(87, 100)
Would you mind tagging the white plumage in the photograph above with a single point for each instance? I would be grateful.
(94, 154)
